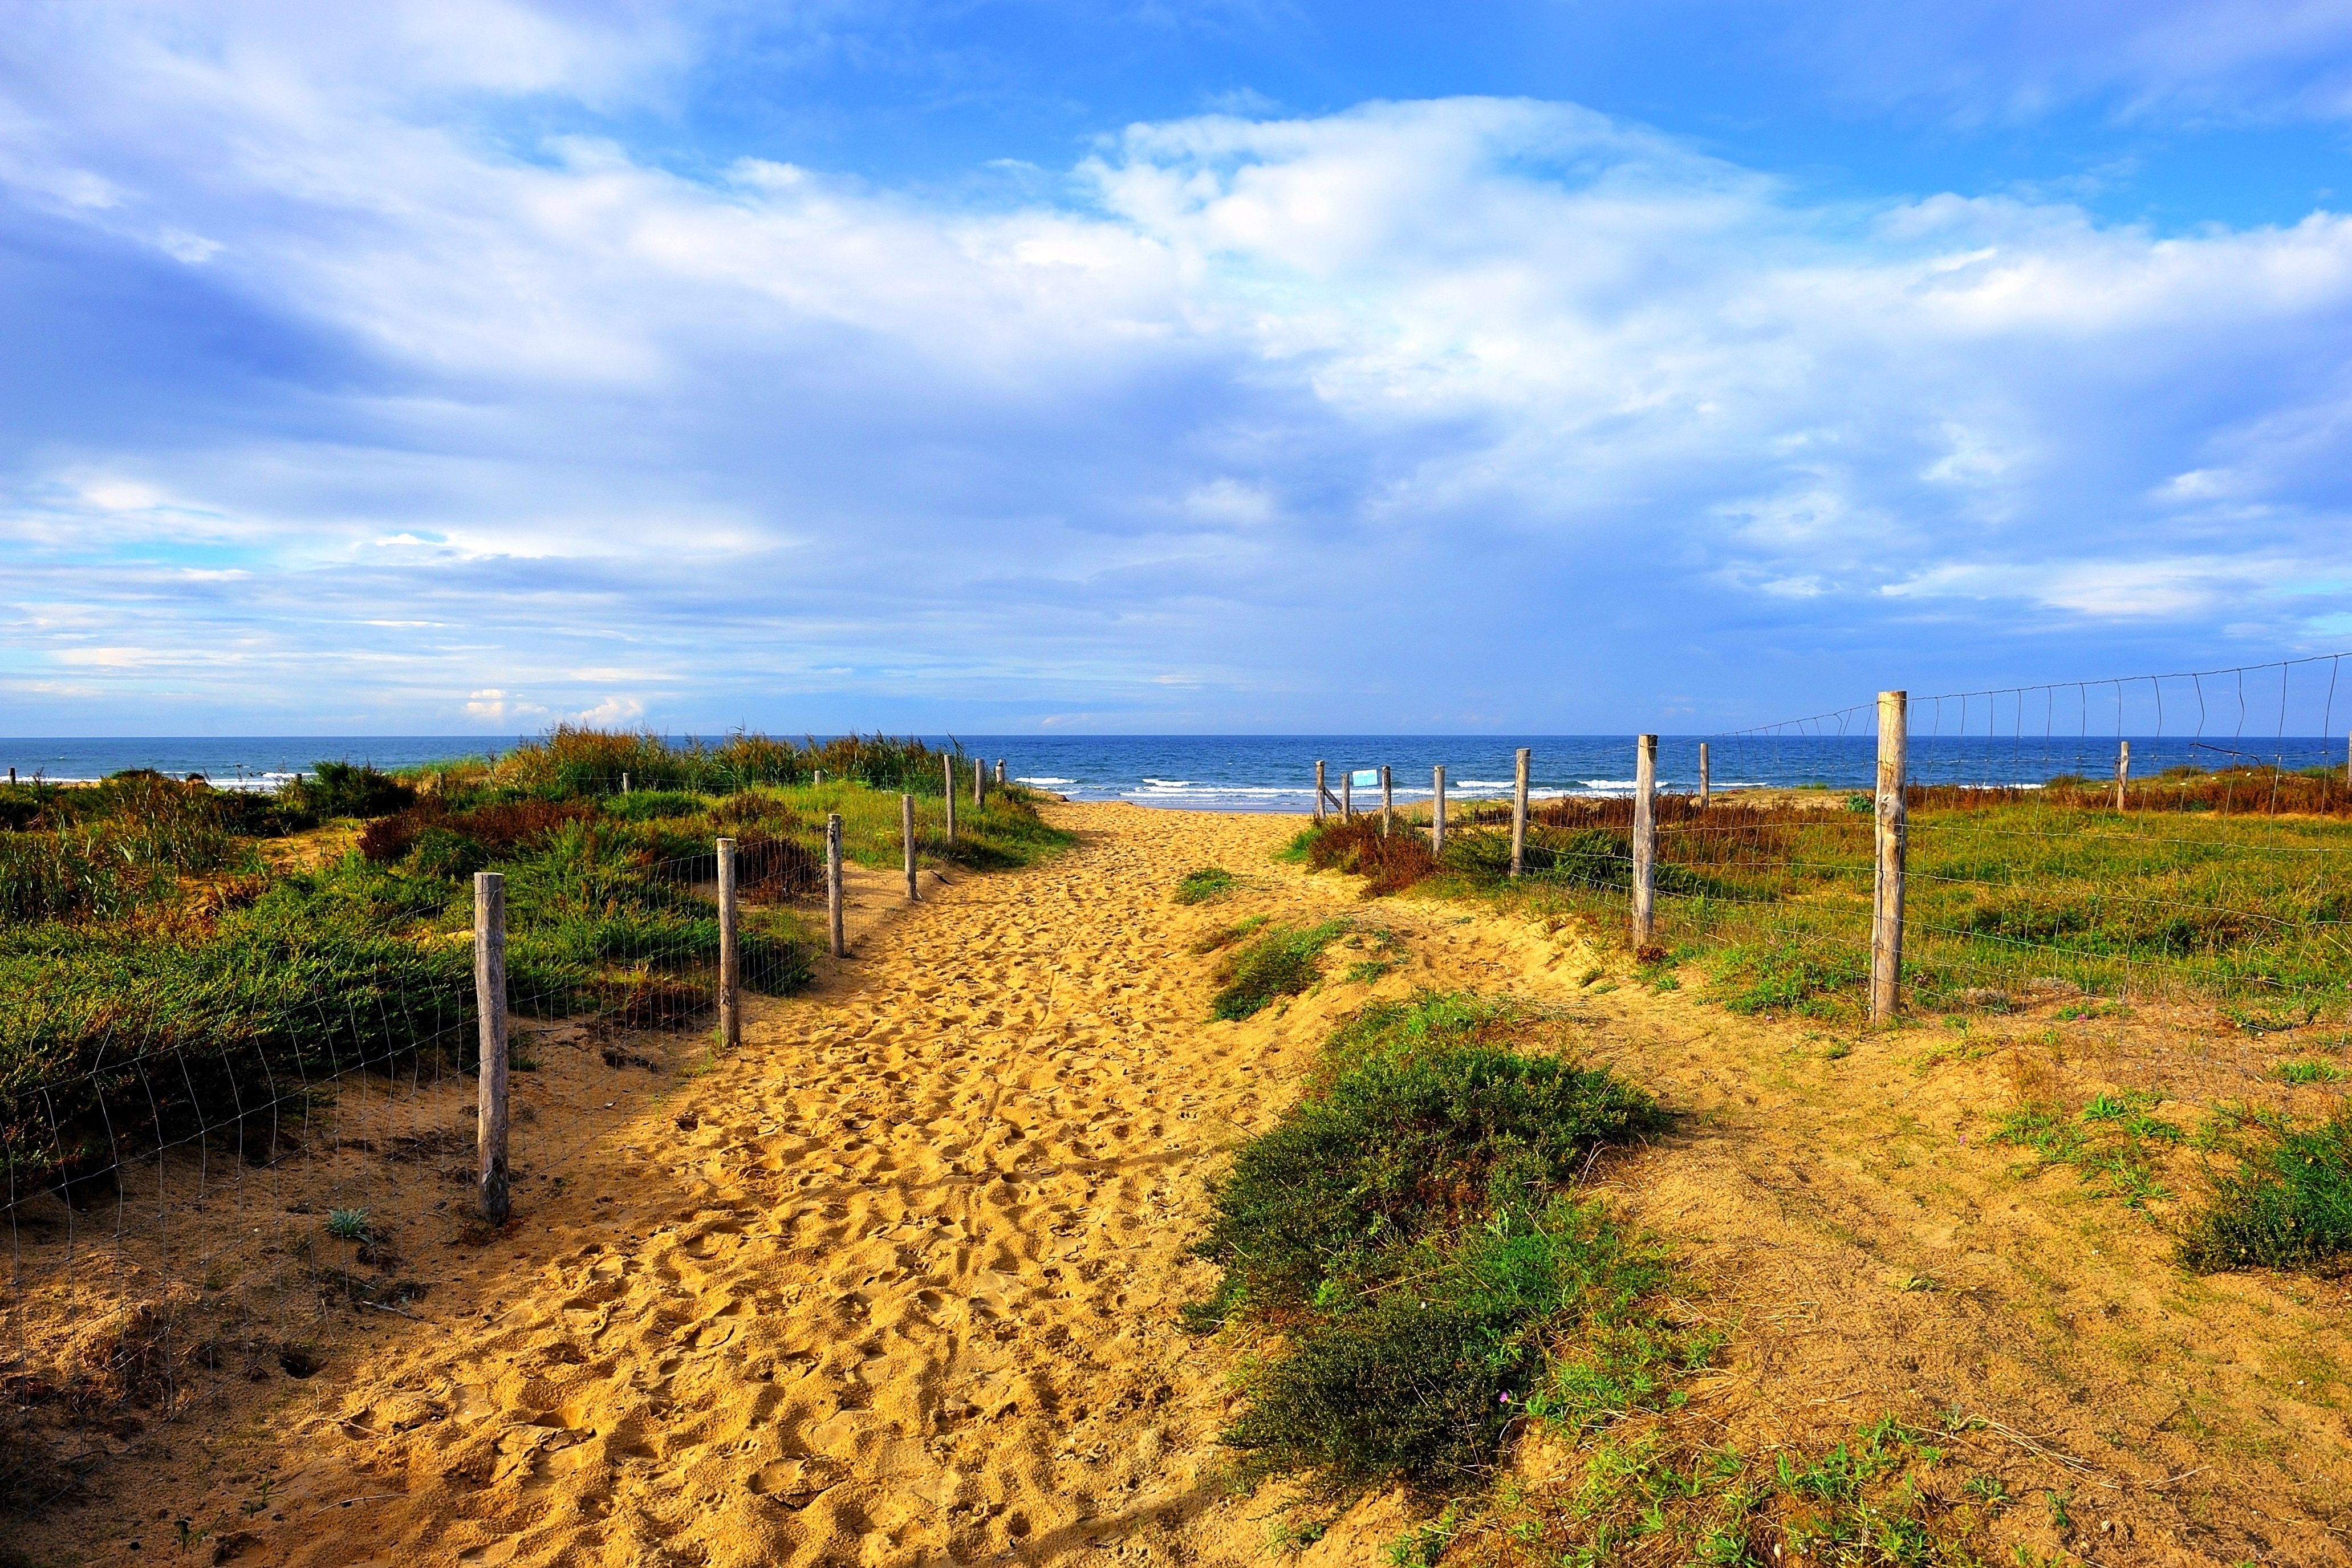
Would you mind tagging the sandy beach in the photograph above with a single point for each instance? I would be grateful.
(896, 1282)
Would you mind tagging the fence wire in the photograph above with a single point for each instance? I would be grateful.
(237, 1103)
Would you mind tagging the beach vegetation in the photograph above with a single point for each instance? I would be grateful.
(1202, 884)
(2283, 1198)
(161, 977)
(1282, 961)
(2212, 885)
(1407, 1242)
(1886, 1495)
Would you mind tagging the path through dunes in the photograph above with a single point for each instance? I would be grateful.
(895, 1283)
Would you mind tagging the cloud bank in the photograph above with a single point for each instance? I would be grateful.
(347, 400)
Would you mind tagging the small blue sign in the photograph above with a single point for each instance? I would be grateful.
(1365, 778)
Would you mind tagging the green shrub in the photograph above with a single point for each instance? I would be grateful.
(2288, 1204)
(1282, 962)
(1420, 1127)
(1416, 1378)
(645, 804)
(114, 850)
(439, 852)
(1207, 882)
(345, 789)
(1403, 1229)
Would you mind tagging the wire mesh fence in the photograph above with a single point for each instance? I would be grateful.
(238, 1098)
(2176, 837)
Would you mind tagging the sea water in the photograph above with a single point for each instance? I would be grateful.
(1276, 773)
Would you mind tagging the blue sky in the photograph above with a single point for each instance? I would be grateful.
(1556, 367)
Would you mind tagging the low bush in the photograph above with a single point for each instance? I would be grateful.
(1405, 1231)
(1389, 863)
(1422, 1124)
(333, 789)
(1282, 962)
(645, 804)
(1198, 886)
(1417, 1378)
(115, 849)
(2287, 1204)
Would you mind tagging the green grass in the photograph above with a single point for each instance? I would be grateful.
(570, 763)
(2111, 1144)
(1407, 1233)
(159, 979)
(2309, 1070)
(2284, 1201)
(1280, 963)
(1200, 885)
(2007, 891)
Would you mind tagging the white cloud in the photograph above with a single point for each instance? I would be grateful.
(1264, 383)
(612, 713)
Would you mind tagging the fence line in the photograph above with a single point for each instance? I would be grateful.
(1947, 847)
(213, 1171)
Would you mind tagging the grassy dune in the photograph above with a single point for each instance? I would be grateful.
(2005, 888)
(179, 961)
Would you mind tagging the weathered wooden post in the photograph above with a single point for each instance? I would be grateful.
(951, 767)
(1000, 770)
(624, 783)
(1347, 794)
(2122, 770)
(979, 783)
(820, 776)
(491, 1003)
(1319, 792)
(1519, 815)
(1893, 837)
(730, 958)
(1388, 802)
(907, 832)
(1645, 837)
(1702, 775)
(1437, 812)
(833, 882)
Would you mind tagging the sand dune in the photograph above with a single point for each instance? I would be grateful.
(896, 1282)
(893, 1284)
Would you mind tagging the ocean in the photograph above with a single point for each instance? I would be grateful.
(1276, 773)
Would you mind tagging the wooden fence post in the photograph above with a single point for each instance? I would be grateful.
(1437, 812)
(624, 783)
(730, 952)
(907, 832)
(491, 1001)
(1519, 815)
(2122, 770)
(1000, 770)
(1388, 800)
(1892, 836)
(1347, 794)
(1319, 792)
(979, 783)
(949, 761)
(1702, 775)
(833, 882)
(1645, 838)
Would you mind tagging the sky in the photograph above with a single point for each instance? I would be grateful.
(1562, 367)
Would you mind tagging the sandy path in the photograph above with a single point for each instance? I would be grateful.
(897, 1283)
(874, 1290)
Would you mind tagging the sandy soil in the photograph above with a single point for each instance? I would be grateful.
(896, 1282)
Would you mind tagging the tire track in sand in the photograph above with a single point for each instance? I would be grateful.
(893, 1284)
